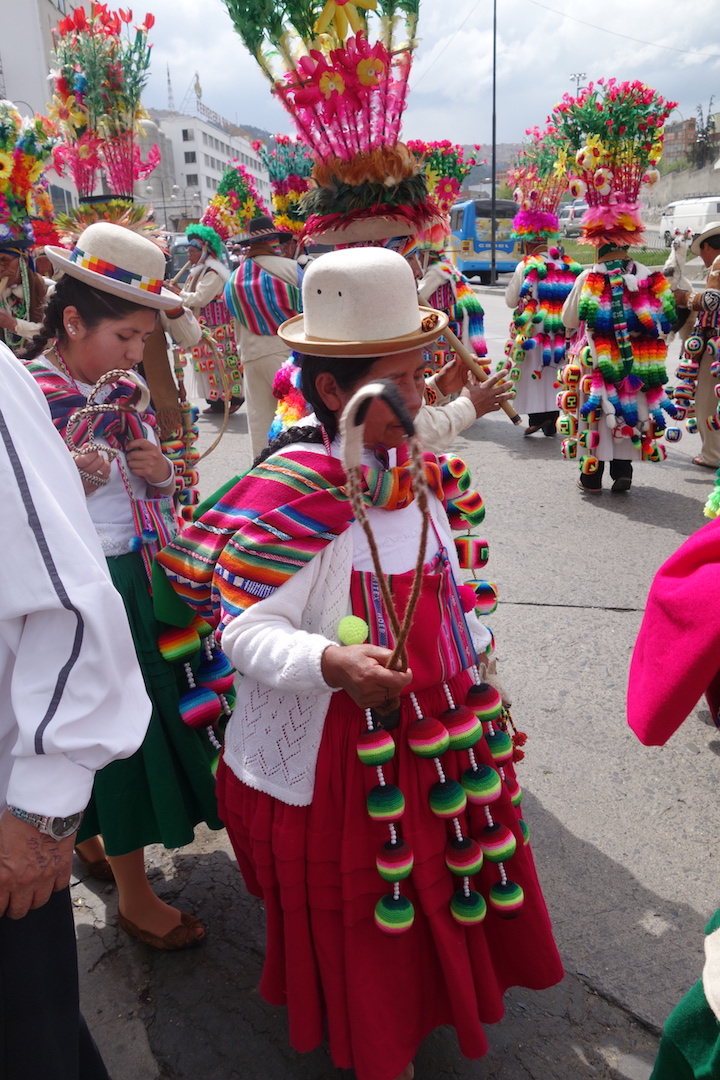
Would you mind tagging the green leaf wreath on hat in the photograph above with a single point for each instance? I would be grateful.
(98, 78)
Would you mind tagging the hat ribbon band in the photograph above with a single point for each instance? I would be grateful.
(114, 273)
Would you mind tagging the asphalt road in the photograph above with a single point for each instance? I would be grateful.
(624, 836)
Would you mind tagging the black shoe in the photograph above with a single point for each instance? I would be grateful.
(623, 483)
(549, 428)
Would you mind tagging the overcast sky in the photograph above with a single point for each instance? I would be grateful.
(539, 47)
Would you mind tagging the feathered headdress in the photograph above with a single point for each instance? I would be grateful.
(346, 89)
(236, 203)
(289, 165)
(206, 235)
(446, 167)
(25, 148)
(539, 181)
(615, 131)
(98, 79)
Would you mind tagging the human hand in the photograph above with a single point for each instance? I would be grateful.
(361, 671)
(491, 395)
(452, 378)
(171, 286)
(95, 463)
(32, 866)
(7, 321)
(145, 458)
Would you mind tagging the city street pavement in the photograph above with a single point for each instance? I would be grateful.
(625, 837)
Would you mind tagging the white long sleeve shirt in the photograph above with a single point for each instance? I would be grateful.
(273, 737)
(72, 696)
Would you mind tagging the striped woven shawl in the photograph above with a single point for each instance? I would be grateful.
(269, 525)
(117, 428)
(259, 300)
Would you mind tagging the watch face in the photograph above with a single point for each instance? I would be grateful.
(62, 827)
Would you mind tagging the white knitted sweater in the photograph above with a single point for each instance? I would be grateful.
(273, 737)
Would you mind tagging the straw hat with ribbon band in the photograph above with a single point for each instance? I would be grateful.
(713, 229)
(361, 302)
(118, 261)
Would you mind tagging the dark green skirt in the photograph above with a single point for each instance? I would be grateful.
(167, 787)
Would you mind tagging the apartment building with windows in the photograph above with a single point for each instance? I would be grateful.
(202, 146)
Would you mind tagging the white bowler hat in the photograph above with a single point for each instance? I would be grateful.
(713, 229)
(361, 302)
(119, 261)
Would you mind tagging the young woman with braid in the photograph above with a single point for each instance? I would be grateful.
(318, 759)
(104, 308)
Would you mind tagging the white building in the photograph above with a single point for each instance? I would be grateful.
(25, 60)
(202, 147)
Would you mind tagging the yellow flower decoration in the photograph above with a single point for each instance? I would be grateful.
(35, 171)
(6, 165)
(67, 112)
(370, 71)
(280, 202)
(332, 82)
(560, 166)
(340, 13)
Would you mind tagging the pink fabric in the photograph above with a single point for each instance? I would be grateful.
(677, 653)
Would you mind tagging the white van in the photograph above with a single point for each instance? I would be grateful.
(695, 214)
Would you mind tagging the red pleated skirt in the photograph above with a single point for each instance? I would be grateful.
(376, 996)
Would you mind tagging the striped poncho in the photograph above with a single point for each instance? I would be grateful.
(271, 523)
(259, 300)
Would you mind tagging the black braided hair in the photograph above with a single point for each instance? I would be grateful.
(298, 433)
(347, 371)
(93, 307)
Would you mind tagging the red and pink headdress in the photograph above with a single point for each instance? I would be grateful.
(615, 132)
(101, 67)
(341, 70)
(539, 181)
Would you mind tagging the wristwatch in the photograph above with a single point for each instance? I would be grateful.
(57, 827)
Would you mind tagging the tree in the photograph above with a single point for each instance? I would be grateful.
(702, 151)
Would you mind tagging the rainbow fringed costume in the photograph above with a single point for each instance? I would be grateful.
(536, 345)
(446, 289)
(613, 389)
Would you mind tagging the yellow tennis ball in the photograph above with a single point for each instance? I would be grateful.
(352, 630)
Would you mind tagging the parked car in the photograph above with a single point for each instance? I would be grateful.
(570, 224)
(695, 214)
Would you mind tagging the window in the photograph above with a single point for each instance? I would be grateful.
(205, 138)
(188, 135)
(61, 199)
(208, 182)
(191, 179)
(190, 157)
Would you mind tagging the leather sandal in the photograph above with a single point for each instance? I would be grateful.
(532, 429)
(97, 868)
(180, 937)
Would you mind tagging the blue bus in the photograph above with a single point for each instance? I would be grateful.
(469, 246)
